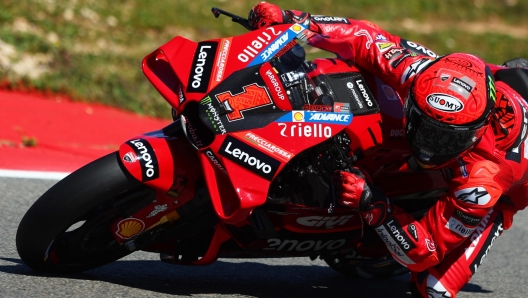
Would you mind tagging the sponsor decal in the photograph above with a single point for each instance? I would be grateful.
(393, 53)
(384, 46)
(221, 60)
(202, 67)
(419, 49)
(215, 161)
(197, 141)
(249, 158)
(127, 228)
(364, 93)
(213, 115)
(269, 44)
(491, 87)
(130, 157)
(298, 116)
(392, 245)
(444, 102)
(495, 232)
(274, 47)
(337, 118)
(147, 159)
(359, 102)
(463, 169)
(380, 37)
(286, 48)
(411, 228)
(307, 245)
(277, 87)
(477, 195)
(466, 218)
(413, 69)
(323, 221)
(254, 139)
(431, 246)
(157, 210)
(253, 96)
(475, 237)
(365, 33)
(181, 96)
(330, 20)
(454, 225)
(399, 235)
(318, 108)
(305, 130)
(258, 44)
(305, 35)
(177, 187)
(297, 29)
(455, 82)
(397, 132)
(341, 107)
(462, 83)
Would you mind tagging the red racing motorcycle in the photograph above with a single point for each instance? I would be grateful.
(244, 171)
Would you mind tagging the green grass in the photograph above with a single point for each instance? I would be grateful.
(92, 50)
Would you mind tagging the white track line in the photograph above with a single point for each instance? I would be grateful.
(33, 174)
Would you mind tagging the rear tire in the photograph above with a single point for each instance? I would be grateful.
(67, 229)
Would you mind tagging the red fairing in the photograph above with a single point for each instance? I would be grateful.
(156, 160)
(240, 166)
(183, 70)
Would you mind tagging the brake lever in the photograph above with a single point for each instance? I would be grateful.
(242, 21)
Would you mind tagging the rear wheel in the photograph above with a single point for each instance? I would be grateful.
(68, 228)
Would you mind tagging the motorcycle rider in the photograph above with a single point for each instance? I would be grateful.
(456, 120)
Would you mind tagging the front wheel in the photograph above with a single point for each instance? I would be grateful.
(67, 229)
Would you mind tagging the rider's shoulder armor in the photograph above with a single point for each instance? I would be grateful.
(510, 118)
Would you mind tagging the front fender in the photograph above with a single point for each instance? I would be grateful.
(163, 160)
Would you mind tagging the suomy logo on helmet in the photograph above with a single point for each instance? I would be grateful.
(444, 103)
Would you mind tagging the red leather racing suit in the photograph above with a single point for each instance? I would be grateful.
(486, 186)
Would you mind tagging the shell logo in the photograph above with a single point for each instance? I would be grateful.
(298, 116)
(129, 227)
(296, 28)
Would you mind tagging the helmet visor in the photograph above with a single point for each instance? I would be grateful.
(433, 142)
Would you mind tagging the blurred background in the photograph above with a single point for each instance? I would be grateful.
(91, 50)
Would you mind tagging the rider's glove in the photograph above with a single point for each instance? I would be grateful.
(354, 192)
(266, 14)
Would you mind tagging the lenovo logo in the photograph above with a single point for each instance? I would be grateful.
(147, 159)
(249, 158)
(202, 67)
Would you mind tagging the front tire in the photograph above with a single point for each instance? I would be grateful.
(67, 229)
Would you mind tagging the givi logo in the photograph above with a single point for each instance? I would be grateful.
(323, 221)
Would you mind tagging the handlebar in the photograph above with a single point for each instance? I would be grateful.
(242, 21)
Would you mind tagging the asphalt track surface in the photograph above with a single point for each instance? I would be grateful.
(71, 134)
(141, 274)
